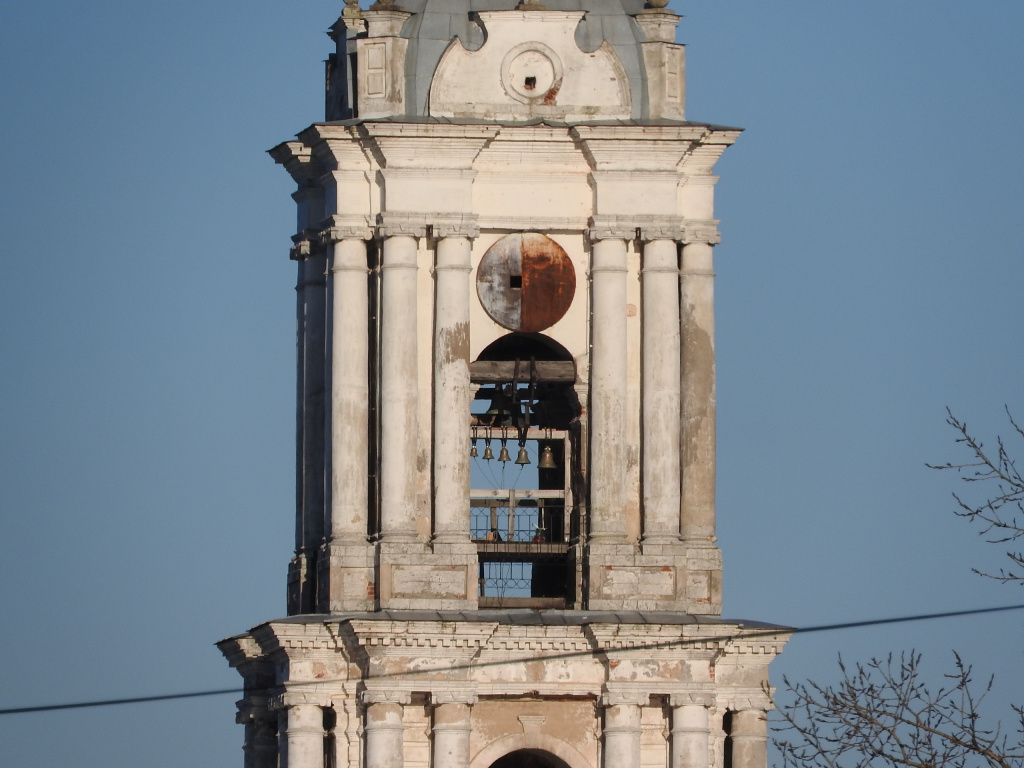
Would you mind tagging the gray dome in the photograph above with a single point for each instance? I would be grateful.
(435, 23)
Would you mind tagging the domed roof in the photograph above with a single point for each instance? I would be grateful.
(435, 23)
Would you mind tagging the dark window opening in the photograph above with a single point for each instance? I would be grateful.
(525, 517)
(531, 83)
(515, 281)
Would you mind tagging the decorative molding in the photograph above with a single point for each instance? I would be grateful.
(455, 225)
(385, 696)
(392, 224)
(532, 723)
(299, 699)
(691, 699)
(439, 697)
(702, 232)
(346, 228)
(611, 228)
(616, 697)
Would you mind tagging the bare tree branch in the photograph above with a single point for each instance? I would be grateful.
(1000, 516)
(882, 714)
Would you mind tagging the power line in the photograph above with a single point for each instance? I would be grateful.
(772, 632)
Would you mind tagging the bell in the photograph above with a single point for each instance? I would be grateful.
(488, 453)
(503, 456)
(472, 451)
(500, 411)
(523, 457)
(547, 458)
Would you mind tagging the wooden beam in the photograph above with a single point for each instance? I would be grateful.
(502, 371)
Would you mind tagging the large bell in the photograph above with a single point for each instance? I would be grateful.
(503, 456)
(523, 457)
(547, 458)
(500, 411)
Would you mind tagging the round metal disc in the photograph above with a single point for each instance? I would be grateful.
(526, 282)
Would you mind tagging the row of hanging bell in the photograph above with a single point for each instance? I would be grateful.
(547, 456)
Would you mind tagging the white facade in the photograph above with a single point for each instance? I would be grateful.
(505, 241)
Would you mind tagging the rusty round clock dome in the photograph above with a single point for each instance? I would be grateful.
(526, 282)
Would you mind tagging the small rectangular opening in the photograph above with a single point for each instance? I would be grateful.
(531, 83)
(515, 281)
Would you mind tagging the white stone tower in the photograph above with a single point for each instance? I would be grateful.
(504, 248)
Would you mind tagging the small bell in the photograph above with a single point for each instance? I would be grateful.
(547, 458)
(523, 457)
(503, 456)
(488, 453)
(472, 451)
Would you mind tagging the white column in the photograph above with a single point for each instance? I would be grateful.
(621, 734)
(608, 390)
(384, 735)
(451, 730)
(748, 736)
(349, 392)
(305, 737)
(697, 441)
(399, 389)
(452, 390)
(691, 735)
(660, 391)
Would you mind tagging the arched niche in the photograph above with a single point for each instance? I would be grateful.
(529, 750)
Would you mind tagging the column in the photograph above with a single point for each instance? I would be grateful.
(452, 391)
(748, 738)
(660, 383)
(621, 732)
(304, 736)
(607, 387)
(451, 730)
(697, 383)
(349, 391)
(311, 480)
(691, 733)
(384, 732)
(398, 387)
(264, 743)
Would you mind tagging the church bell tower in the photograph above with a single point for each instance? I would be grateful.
(505, 546)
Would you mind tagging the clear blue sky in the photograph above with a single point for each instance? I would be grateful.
(870, 274)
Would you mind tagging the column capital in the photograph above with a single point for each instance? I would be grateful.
(391, 224)
(346, 228)
(661, 228)
(691, 699)
(439, 698)
(702, 232)
(454, 225)
(611, 228)
(307, 243)
(615, 698)
(385, 696)
(290, 699)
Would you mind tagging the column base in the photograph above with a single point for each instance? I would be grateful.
(654, 577)
(443, 580)
(346, 576)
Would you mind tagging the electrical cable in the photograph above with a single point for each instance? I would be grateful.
(774, 631)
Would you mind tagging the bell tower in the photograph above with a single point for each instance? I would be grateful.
(505, 546)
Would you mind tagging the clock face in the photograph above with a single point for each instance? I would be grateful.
(526, 282)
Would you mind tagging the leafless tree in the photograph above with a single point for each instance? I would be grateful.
(1000, 516)
(883, 714)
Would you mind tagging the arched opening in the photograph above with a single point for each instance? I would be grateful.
(524, 440)
(529, 758)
